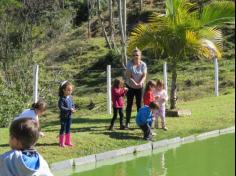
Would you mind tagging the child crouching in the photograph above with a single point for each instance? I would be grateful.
(145, 117)
(23, 159)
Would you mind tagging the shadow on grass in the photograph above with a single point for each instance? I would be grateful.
(122, 136)
(80, 129)
(96, 121)
(46, 144)
(4, 145)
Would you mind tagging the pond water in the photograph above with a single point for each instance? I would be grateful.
(210, 157)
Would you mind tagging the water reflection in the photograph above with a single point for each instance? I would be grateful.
(203, 158)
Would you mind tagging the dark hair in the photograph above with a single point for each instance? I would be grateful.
(118, 82)
(26, 131)
(149, 84)
(160, 83)
(40, 105)
(154, 105)
(63, 87)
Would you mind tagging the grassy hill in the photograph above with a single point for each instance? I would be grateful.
(73, 57)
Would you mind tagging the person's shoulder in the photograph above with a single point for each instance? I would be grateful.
(130, 64)
(11, 155)
(116, 88)
(144, 108)
(143, 63)
(26, 110)
(28, 113)
(62, 98)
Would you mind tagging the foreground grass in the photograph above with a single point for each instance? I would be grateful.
(90, 136)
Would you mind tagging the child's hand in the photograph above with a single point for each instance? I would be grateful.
(41, 134)
(126, 89)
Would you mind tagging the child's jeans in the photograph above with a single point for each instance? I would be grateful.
(115, 111)
(161, 112)
(147, 131)
(65, 125)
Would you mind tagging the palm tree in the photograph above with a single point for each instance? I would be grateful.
(183, 31)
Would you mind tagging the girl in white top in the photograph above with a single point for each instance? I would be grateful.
(161, 97)
(37, 110)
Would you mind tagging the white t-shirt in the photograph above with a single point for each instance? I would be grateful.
(163, 97)
(136, 72)
(28, 113)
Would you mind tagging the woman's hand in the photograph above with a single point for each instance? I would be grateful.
(73, 110)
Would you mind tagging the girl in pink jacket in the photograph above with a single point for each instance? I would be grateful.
(118, 93)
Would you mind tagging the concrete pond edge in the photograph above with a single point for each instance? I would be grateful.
(150, 146)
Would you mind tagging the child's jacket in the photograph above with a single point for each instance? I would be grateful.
(144, 116)
(118, 97)
(65, 104)
(148, 98)
(29, 113)
(23, 163)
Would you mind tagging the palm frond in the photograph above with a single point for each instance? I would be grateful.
(217, 13)
(178, 10)
(209, 49)
(193, 45)
(142, 37)
(158, 20)
(213, 34)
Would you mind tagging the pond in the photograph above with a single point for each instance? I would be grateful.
(210, 157)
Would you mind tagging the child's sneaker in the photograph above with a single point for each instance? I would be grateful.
(154, 134)
(41, 134)
(127, 126)
(111, 128)
(122, 128)
(165, 128)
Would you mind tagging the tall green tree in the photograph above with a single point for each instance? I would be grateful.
(182, 32)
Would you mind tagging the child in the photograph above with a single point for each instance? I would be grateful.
(118, 93)
(148, 93)
(23, 159)
(67, 107)
(161, 97)
(37, 110)
(144, 119)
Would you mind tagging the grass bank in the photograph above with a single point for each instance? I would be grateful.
(90, 135)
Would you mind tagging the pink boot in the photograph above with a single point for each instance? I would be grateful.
(68, 142)
(61, 140)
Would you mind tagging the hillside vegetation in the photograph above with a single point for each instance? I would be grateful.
(55, 37)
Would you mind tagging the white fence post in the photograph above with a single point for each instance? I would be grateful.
(109, 105)
(216, 77)
(165, 76)
(35, 86)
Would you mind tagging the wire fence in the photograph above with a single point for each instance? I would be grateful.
(91, 88)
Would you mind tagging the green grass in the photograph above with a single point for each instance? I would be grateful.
(90, 136)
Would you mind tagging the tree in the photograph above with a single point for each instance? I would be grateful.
(122, 23)
(140, 5)
(102, 25)
(111, 23)
(183, 32)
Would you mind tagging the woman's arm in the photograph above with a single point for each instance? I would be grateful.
(143, 79)
(129, 76)
(144, 76)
